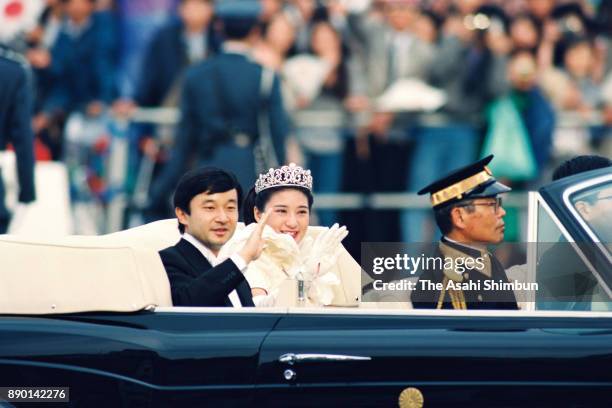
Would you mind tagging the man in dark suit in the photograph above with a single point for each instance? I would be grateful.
(15, 128)
(173, 48)
(78, 74)
(86, 39)
(223, 106)
(206, 205)
(469, 214)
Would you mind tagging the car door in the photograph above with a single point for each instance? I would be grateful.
(437, 358)
(169, 357)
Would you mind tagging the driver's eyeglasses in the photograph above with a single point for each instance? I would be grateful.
(497, 204)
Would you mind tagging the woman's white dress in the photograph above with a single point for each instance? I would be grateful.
(283, 262)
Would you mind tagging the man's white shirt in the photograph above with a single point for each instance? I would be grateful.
(197, 46)
(214, 261)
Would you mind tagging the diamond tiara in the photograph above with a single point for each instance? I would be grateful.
(285, 176)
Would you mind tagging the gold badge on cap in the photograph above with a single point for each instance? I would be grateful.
(411, 398)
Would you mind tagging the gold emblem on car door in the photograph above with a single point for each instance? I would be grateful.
(411, 398)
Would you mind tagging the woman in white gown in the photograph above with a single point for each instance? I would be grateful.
(293, 250)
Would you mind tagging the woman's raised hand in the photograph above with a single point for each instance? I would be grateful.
(329, 240)
(322, 255)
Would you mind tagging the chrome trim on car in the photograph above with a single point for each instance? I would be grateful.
(344, 311)
(291, 358)
(532, 236)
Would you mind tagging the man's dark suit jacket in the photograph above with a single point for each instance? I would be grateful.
(167, 53)
(72, 86)
(194, 282)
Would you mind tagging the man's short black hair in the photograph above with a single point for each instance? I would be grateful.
(580, 164)
(209, 180)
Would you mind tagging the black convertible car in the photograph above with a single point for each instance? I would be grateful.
(94, 315)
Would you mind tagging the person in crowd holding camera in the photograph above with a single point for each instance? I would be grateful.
(294, 251)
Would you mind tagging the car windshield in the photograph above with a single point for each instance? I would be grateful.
(565, 281)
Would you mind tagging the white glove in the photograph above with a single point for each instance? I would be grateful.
(264, 300)
(321, 255)
(321, 291)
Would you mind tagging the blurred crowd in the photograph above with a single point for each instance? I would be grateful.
(383, 95)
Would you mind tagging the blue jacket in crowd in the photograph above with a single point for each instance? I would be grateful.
(83, 66)
(165, 61)
(539, 118)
